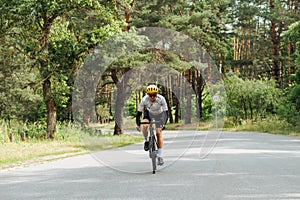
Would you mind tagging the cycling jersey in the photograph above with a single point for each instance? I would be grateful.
(156, 107)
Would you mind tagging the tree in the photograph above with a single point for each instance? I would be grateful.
(250, 99)
(289, 108)
(132, 71)
(18, 99)
(35, 25)
(204, 21)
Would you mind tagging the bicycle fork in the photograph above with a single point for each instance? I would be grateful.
(152, 147)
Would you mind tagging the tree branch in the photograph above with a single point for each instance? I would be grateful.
(42, 81)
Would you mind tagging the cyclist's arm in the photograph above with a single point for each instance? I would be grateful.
(166, 117)
(140, 110)
(138, 118)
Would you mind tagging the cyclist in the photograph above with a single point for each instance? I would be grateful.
(153, 105)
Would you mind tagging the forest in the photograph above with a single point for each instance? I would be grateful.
(253, 45)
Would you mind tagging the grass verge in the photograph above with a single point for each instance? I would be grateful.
(268, 125)
(17, 154)
(70, 140)
(20, 154)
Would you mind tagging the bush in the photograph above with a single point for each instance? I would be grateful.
(16, 131)
(250, 99)
(289, 106)
(271, 124)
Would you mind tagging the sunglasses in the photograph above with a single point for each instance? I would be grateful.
(152, 95)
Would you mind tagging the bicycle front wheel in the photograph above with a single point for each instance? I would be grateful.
(153, 154)
(154, 164)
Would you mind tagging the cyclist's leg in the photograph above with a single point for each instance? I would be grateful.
(159, 145)
(159, 138)
(146, 118)
(159, 131)
(145, 128)
(145, 134)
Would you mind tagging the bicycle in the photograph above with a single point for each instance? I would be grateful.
(153, 149)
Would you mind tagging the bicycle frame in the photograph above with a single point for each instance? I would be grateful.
(152, 144)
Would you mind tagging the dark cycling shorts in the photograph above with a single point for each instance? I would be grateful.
(160, 118)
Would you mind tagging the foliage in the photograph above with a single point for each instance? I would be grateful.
(207, 107)
(103, 113)
(250, 99)
(223, 28)
(130, 109)
(272, 124)
(18, 99)
(52, 38)
(289, 106)
(15, 131)
(204, 21)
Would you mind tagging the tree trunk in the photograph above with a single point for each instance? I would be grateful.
(199, 105)
(11, 137)
(178, 96)
(289, 63)
(169, 95)
(176, 102)
(127, 15)
(118, 130)
(50, 104)
(127, 20)
(188, 113)
(192, 8)
(121, 97)
(244, 107)
(119, 110)
(250, 108)
(51, 110)
(275, 38)
(198, 86)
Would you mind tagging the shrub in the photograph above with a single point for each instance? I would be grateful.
(250, 99)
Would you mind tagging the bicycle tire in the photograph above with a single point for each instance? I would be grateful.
(152, 154)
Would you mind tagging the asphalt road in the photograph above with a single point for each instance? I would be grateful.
(198, 166)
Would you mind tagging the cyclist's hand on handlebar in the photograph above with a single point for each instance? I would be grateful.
(138, 128)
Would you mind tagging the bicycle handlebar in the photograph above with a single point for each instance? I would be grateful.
(145, 123)
(151, 122)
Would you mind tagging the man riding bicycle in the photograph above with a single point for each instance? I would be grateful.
(153, 105)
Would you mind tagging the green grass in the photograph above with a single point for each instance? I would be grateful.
(14, 154)
(110, 142)
(70, 140)
(271, 125)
